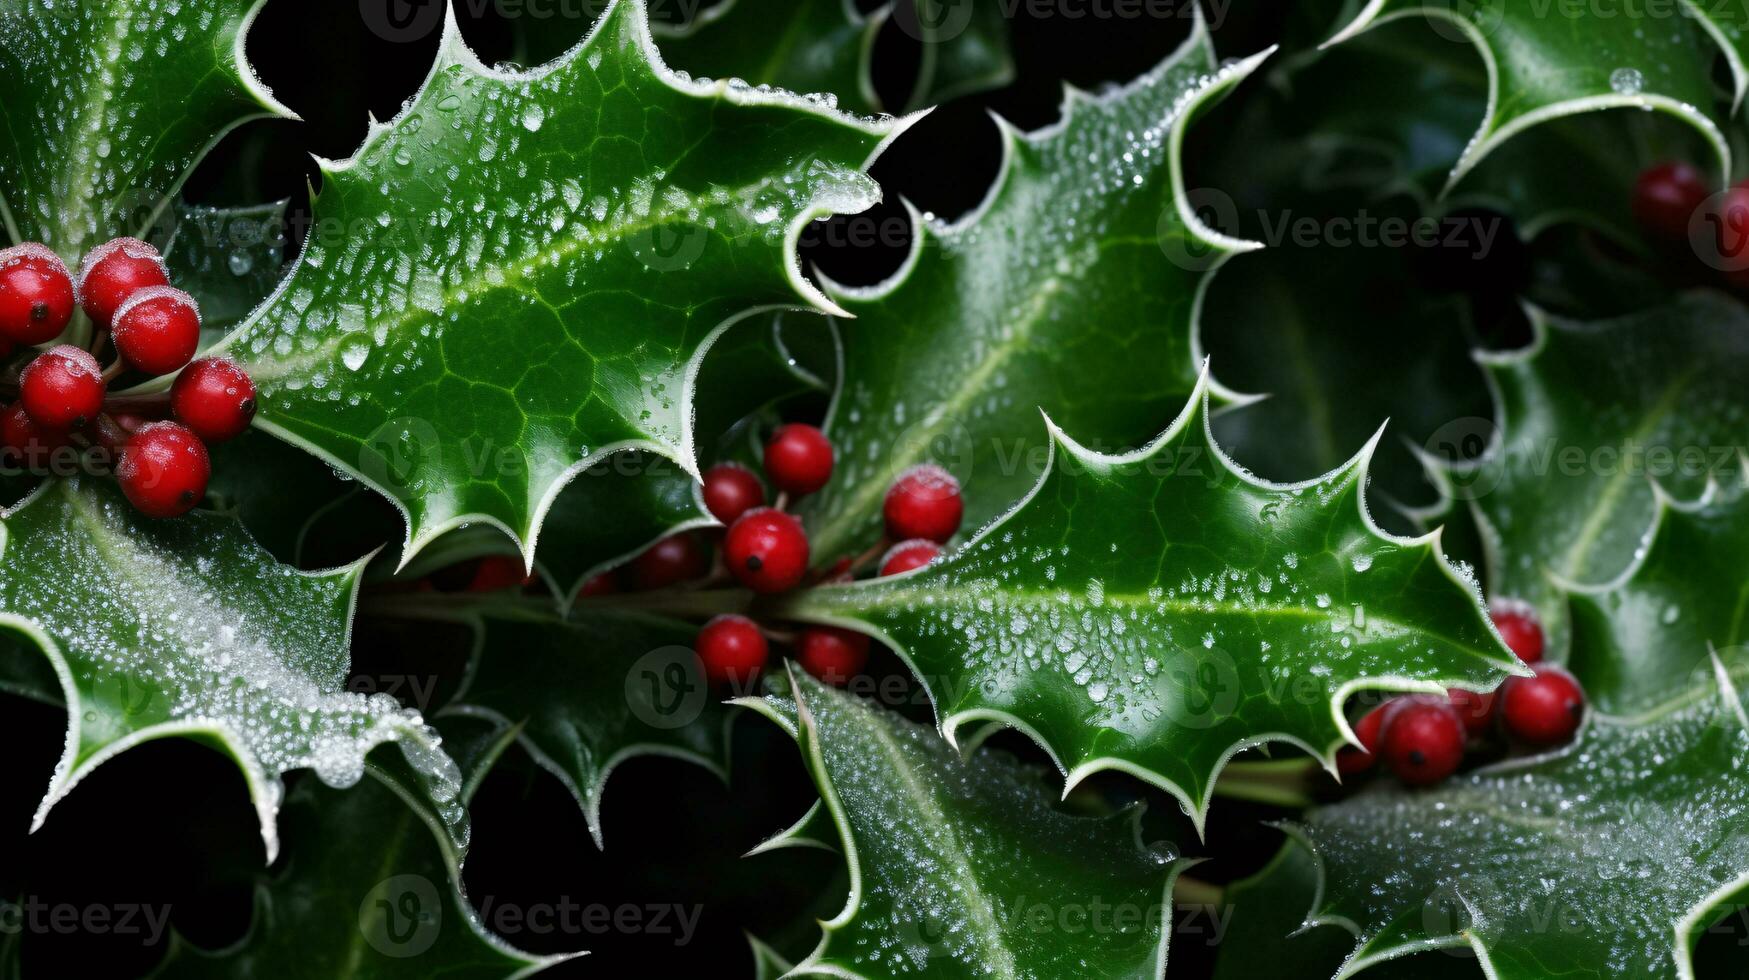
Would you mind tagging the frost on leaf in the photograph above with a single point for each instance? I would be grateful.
(954, 863)
(1157, 612)
(533, 266)
(1072, 288)
(1598, 862)
(92, 148)
(1544, 64)
(1646, 637)
(1590, 415)
(187, 627)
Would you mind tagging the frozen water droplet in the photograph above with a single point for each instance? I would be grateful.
(1627, 81)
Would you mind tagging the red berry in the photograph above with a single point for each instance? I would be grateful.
(28, 444)
(831, 654)
(36, 294)
(1666, 196)
(215, 398)
(907, 555)
(1350, 760)
(114, 271)
(731, 490)
(496, 572)
(733, 651)
(1475, 710)
(1423, 740)
(157, 329)
(924, 502)
(1545, 709)
(670, 561)
(767, 550)
(63, 388)
(164, 469)
(798, 459)
(603, 584)
(1518, 626)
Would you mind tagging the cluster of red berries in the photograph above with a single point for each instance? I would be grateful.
(62, 393)
(1423, 738)
(766, 550)
(1677, 208)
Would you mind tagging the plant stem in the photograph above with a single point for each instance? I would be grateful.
(1196, 892)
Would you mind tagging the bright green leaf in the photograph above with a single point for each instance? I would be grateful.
(1159, 611)
(533, 265)
(188, 628)
(1073, 287)
(1598, 861)
(94, 146)
(955, 864)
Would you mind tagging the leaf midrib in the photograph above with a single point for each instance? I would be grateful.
(979, 912)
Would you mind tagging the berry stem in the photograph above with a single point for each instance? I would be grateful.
(870, 556)
(114, 370)
(682, 603)
(156, 402)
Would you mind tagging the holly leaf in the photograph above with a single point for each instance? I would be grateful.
(954, 863)
(1601, 860)
(1643, 639)
(1159, 611)
(800, 45)
(372, 887)
(649, 697)
(188, 628)
(1546, 63)
(92, 147)
(826, 46)
(535, 263)
(1590, 414)
(1072, 287)
(228, 259)
(1267, 928)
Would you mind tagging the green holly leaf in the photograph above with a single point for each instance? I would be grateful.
(1073, 287)
(1159, 611)
(954, 863)
(799, 45)
(618, 507)
(1590, 415)
(1642, 639)
(187, 628)
(92, 146)
(1546, 63)
(372, 887)
(1602, 860)
(1266, 928)
(228, 259)
(649, 696)
(490, 326)
(825, 46)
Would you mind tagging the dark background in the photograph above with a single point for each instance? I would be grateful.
(169, 823)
